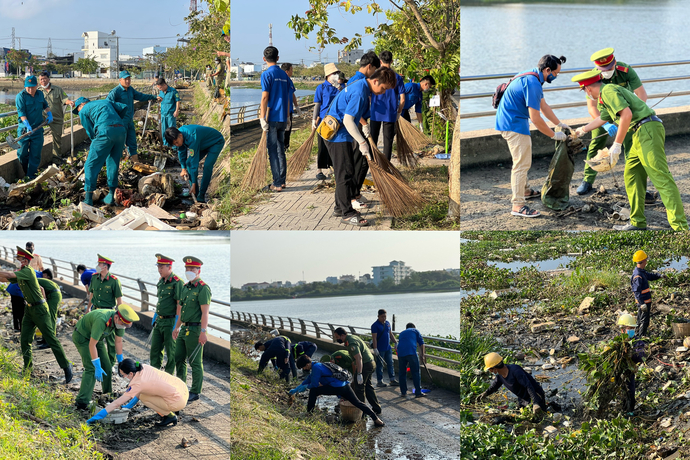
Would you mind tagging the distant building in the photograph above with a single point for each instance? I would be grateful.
(149, 52)
(103, 48)
(255, 286)
(301, 283)
(277, 284)
(346, 279)
(332, 279)
(452, 271)
(366, 279)
(349, 57)
(396, 269)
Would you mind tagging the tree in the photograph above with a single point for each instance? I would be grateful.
(17, 58)
(87, 66)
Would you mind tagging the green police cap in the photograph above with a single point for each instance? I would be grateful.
(190, 261)
(603, 58)
(587, 78)
(326, 359)
(127, 313)
(104, 260)
(161, 259)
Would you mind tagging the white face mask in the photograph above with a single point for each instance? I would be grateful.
(333, 80)
(45, 86)
(190, 275)
(608, 74)
(120, 326)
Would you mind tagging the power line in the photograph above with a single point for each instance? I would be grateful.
(121, 38)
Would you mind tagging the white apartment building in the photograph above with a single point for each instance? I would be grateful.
(103, 48)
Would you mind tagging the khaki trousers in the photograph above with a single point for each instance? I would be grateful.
(520, 146)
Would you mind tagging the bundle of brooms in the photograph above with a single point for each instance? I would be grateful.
(414, 138)
(256, 174)
(299, 160)
(405, 154)
(396, 194)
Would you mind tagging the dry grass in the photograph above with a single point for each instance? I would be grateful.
(255, 178)
(414, 138)
(299, 160)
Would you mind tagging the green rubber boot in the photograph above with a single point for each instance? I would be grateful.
(88, 198)
(110, 197)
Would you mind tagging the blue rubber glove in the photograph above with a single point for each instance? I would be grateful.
(99, 416)
(50, 117)
(299, 389)
(175, 323)
(99, 370)
(131, 404)
(611, 129)
(27, 125)
(153, 321)
(119, 358)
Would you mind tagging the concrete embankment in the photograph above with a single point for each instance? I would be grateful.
(486, 146)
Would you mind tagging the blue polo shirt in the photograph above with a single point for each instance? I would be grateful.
(383, 335)
(30, 107)
(384, 107)
(291, 91)
(513, 111)
(356, 77)
(408, 341)
(325, 93)
(170, 99)
(320, 374)
(198, 139)
(353, 100)
(127, 96)
(14, 290)
(274, 80)
(86, 276)
(98, 115)
(413, 96)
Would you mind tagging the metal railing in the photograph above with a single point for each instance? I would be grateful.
(142, 293)
(320, 330)
(508, 76)
(251, 112)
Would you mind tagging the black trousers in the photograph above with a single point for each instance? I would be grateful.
(342, 157)
(367, 388)
(286, 136)
(629, 379)
(323, 160)
(388, 135)
(344, 392)
(361, 167)
(643, 313)
(17, 311)
(406, 115)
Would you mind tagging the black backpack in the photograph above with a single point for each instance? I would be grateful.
(500, 89)
(338, 372)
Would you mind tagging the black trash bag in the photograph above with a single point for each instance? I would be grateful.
(555, 194)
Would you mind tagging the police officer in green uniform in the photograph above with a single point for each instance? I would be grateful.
(105, 291)
(621, 74)
(365, 366)
(53, 294)
(646, 158)
(88, 337)
(169, 293)
(36, 314)
(190, 329)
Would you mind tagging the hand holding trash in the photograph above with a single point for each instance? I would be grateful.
(559, 136)
(611, 129)
(615, 150)
(184, 174)
(99, 416)
(579, 132)
(563, 125)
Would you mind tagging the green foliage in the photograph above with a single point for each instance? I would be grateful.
(473, 347)
(87, 66)
(7, 121)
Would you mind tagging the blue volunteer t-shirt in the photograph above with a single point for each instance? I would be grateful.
(320, 374)
(413, 96)
(325, 93)
(274, 80)
(384, 107)
(383, 335)
(356, 77)
(523, 93)
(353, 100)
(291, 91)
(86, 276)
(408, 341)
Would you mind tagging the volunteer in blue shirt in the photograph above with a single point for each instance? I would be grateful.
(125, 94)
(204, 142)
(413, 97)
(275, 92)
(170, 107)
(85, 274)
(382, 335)
(325, 93)
(349, 108)
(523, 101)
(516, 380)
(287, 68)
(408, 340)
(386, 108)
(18, 305)
(321, 382)
(104, 123)
(30, 105)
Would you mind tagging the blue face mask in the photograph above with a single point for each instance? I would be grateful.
(551, 78)
(631, 333)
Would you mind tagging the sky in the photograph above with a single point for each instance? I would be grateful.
(140, 24)
(250, 30)
(282, 256)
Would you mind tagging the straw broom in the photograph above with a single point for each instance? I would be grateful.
(397, 196)
(384, 162)
(405, 155)
(300, 159)
(256, 175)
(415, 139)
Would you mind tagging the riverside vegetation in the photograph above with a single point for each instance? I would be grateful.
(552, 322)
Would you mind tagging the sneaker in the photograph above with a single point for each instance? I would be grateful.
(321, 176)
(649, 197)
(192, 397)
(584, 188)
(381, 385)
(43, 346)
(81, 406)
(627, 228)
(419, 394)
(394, 383)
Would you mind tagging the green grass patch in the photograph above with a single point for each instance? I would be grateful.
(432, 183)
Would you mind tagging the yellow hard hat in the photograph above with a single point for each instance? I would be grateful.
(639, 256)
(492, 360)
(627, 320)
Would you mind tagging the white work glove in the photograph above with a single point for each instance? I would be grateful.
(559, 136)
(313, 123)
(579, 132)
(298, 110)
(360, 379)
(366, 130)
(376, 352)
(563, 125)
(264, 124)
(614, 150)
(364, 148)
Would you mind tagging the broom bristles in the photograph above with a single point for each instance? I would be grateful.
(256, 174)
(405, 154)
(415, 139)
(300, 159)
(397, 196)
(383, 162)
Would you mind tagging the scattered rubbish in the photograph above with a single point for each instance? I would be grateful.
(35, 220)
(91, 213)
(443, 156)
(117, 416)
(602, 161)
(134, 219)
(188, 442)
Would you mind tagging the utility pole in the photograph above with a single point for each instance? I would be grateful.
(192, 5)
(13, 38)
(49, 52)
(20, 42)
(270, 35)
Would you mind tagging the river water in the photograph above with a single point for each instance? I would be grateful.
(249, 96)
(510, 38)
(134, 256)
(432, 313)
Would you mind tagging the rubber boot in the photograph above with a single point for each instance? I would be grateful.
(110, 197)
(88, 198)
